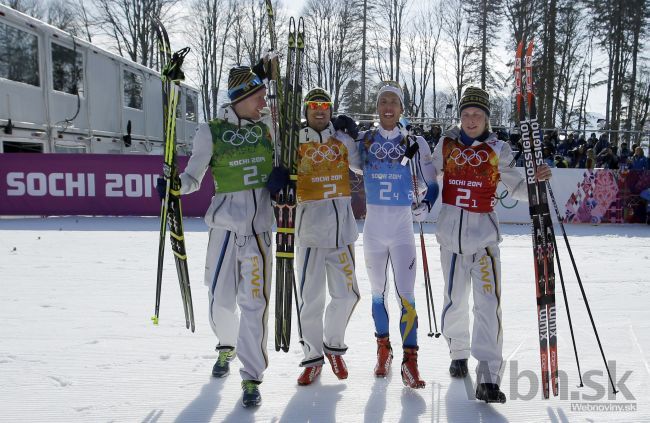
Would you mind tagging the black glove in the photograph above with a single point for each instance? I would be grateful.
(346, 124)
(260, 70)
(161, 187)
(278, 179)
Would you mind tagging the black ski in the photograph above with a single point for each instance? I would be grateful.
(285, 202)
(170, 209)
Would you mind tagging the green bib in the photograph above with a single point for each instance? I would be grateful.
(241, 156)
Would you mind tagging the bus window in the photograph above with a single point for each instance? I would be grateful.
(67, 70)
(190, 107)
(132, 90)
(18, 55)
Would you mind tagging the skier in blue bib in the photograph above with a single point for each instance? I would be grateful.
(388, 229)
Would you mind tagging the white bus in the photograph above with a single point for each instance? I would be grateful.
(60, 94)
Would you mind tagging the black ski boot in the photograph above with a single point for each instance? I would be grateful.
(490, 392)
(251, 397)
(458, 368)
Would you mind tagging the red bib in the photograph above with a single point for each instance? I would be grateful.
(471, 175)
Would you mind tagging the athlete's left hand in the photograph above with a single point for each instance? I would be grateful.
(420, 211)
(544, 172)
(278, 179)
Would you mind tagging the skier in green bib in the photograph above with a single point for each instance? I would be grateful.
(237, 148)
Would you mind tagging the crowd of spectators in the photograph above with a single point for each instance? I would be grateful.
(576, 151)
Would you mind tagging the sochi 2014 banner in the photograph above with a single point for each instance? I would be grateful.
(88, 184)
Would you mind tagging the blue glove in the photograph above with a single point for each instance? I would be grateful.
(278, 179)
(161, 187)
(431, 195)
(346, 124)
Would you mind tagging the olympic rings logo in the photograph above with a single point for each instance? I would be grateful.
(241, 135)
(323, 152)
(387, 149)
(469, 156)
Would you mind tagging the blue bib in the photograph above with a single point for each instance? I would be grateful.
(386, 181)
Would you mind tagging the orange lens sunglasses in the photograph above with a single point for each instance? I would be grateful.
(315, 105)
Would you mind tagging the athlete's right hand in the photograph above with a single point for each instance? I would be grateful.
(161, 188)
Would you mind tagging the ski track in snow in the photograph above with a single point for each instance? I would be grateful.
(77, 343)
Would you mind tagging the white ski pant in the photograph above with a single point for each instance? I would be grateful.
(316, 269)
(483, 272)
(388, 240)
(238, 273)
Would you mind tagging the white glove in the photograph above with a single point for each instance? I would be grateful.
(420, 212)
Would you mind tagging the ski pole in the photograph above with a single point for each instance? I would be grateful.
(409, 154)
(582, 290)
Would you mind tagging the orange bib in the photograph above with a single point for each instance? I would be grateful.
(322, 170)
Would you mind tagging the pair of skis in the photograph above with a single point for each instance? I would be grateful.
(286, 113)
(542, 224)
(170, 209)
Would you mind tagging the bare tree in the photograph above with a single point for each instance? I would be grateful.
(208, 30)
(129, 24)
(422, 41)
(390, 25)
(34, 8)
(457, 33)
(332, 49)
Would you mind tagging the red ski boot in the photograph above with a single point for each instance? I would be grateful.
(384, 357)
(338, 365)
(410, 373)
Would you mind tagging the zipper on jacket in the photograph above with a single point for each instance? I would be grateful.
(336, 213)
(460, 230)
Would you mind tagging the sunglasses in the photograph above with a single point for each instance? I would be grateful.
(318, 105)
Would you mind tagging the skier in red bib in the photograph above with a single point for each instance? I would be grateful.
(473, 161)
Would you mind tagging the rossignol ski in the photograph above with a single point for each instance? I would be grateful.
(542, 225)
(285, 202)
(170, 209)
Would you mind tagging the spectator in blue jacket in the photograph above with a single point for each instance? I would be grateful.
(639, 161)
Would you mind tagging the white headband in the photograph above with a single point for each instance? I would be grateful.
(391, 89)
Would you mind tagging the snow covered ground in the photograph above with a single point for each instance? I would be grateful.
(77, 343)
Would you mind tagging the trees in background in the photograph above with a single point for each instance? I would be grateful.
(433, 48)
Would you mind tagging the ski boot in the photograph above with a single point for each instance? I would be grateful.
(458, 368)
(384, 357)
(309, 374)
(251, 397)
(222, 366)
(410, 373)
(338, 365)
(490, 392)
